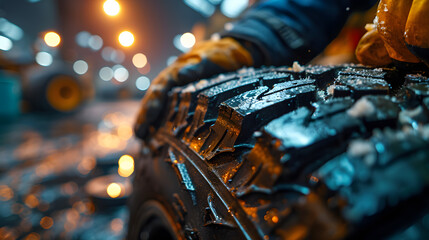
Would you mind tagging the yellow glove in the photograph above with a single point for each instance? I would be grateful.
(370, 50)
(403, 25)
(417, 30)
(204, 60)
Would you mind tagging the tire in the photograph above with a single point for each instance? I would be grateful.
(337, 152)
(55, 89)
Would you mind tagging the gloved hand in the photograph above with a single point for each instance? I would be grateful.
(403, 25)
(204, 60)
(370, 50)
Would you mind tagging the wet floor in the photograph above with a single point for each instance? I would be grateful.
(60, 175)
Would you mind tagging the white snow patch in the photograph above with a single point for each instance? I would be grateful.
(331, 89)
(189, 88)
(296, 67)
(359, 148)
(406, 116)
(362, 108)
(202, 83)
(362, 149)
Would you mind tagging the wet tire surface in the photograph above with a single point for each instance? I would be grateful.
(329, 152)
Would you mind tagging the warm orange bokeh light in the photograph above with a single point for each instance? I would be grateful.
(52, 39)
(187, 40)
(46, 222)
(114, 190)
(111, 7)
(126, 166)
(126, 38)
(139, 60)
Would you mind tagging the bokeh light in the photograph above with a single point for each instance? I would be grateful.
(5, 43)
(95, 42)
(80, 67)
(187, 40)
(31, 201)
(117, 225)
(142, 83)
(106, 53)
(44, 59)
(126, 38)
(126, 166)
(110, 54)
(139, 60)
(233, 8)
(11, 30)
(82, 38)
(121, 74)
(118, 56)
(46, 222)
(111, 7)
(171, 60)
(106, 74)
(52, 39)
(114, 190)
(145, 70)
(6, 193)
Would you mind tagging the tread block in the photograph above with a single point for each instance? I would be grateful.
(305, 136)
(376, 111)
(323, 74)
(418, 90)
(381, 73)
(247, 112)
(189, 93)
(360, 86)
(330, 107)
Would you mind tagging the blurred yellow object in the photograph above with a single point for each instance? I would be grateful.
(114, 190)
(126, 166)
(417, 30)
(111, 7)
(64, 93)
(52, 39)
(371, 50)
(126, 38)
(392, 17)
(46, 222)
(187, 40)
(139, 60)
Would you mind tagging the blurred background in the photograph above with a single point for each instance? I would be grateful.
(72, 73)
(71, 76)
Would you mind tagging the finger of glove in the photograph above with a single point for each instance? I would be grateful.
(416, 32)
(392, 16)
(195, 72)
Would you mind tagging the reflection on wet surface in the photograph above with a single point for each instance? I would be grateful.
(55, 171)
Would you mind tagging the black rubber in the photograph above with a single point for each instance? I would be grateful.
(338, 152)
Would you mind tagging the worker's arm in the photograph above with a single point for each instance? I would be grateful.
(294, 30)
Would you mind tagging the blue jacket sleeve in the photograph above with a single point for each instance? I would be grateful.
(293, 30)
